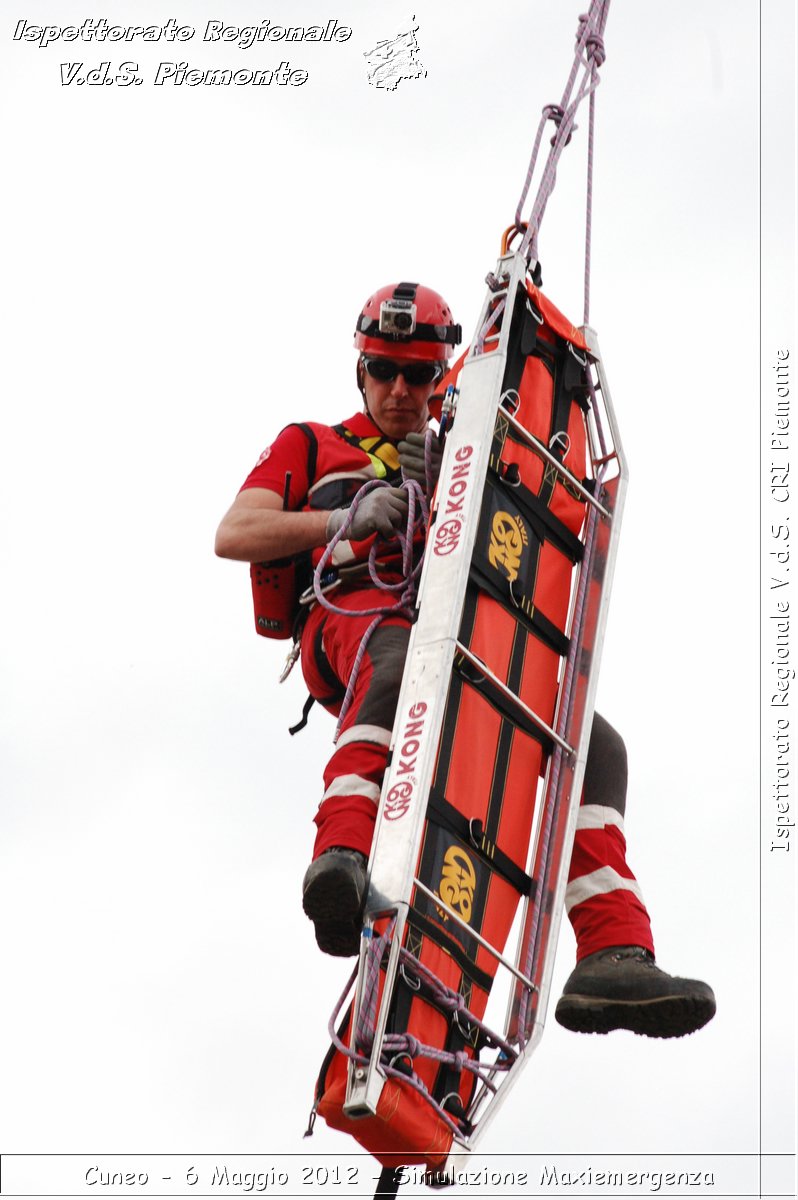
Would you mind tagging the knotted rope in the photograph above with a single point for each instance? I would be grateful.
(404, 1047)
(588, 57)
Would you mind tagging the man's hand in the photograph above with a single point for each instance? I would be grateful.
(382, 511)
(413, 459)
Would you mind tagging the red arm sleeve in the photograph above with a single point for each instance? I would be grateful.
(289, 452)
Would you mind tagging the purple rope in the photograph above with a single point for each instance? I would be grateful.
(429, 470)
(589, 205)
(595, 41)
(406, 586)
(367, 1016)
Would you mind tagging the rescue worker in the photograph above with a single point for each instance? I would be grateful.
(292, 504)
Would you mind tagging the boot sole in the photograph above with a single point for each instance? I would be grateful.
(663, 1017)
(333, 902)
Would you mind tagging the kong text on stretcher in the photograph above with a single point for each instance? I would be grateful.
(478, 803)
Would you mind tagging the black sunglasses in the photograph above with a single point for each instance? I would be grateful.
(385, 370)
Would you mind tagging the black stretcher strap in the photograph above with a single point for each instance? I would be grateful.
(471, 832)
(501, 770)
(472, 676)
(546, 525)
(306, 707)
(313, 450)
(523, 610)
(435, 932)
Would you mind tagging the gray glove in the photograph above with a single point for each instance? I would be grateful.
(381, 511)
(412, 459)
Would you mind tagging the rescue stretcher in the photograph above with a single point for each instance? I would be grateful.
(478, 806)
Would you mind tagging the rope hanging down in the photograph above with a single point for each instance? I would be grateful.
(588, 57)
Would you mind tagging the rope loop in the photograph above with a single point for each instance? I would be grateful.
(591, 40)
(555, 113)
(417, 520)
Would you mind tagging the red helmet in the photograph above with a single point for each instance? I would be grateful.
(407, 320)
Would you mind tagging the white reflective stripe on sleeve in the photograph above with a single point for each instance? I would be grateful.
(365, 733)
(596, 816)
(352, 785)
(598, 883)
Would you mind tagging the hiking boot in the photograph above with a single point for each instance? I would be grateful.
(333, 892)
(623, 988)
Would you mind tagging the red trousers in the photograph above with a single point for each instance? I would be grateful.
(603, 899)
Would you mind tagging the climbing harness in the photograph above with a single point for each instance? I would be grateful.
(478, 806)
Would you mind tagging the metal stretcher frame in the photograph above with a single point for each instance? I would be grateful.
(422, 700)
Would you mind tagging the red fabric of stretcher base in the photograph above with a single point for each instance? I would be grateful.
(488, 766)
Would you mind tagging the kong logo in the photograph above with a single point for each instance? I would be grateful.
(451, 508)
(458, 880)
(401, 794)
(508, 537)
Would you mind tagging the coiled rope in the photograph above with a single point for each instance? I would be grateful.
(583, 80)
(407, 586)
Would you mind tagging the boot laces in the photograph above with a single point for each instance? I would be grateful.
(637, 952)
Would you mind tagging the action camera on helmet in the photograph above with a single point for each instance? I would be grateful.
(397, 317)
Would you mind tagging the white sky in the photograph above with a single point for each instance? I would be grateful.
(183, 268)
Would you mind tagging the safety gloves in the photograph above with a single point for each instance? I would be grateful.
(382, 511)
(413, 459)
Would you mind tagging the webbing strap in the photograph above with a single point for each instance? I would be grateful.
(376, 446)
(504, 747)
(432, 930)
(443, 813)
(522, 608)
(545, 524)
(497, 700)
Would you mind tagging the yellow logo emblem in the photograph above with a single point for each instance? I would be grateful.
(507, 540)
(458, 880)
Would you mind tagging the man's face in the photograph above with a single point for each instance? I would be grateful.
(396, 406)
